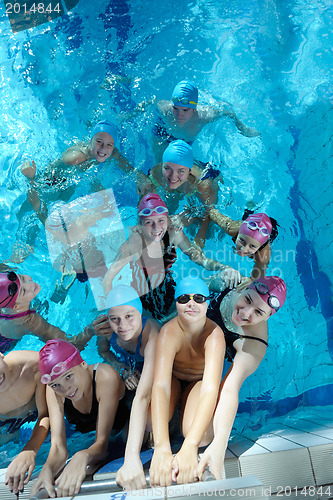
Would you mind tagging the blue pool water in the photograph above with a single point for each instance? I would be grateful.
(270, 60)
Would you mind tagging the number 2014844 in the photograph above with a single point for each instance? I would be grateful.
(35, 8)
(307, 491)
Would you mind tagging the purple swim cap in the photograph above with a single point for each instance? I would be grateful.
(257, 226)
(272, 290)
(9, 289)
(185, 94)
(105, 126)
(55, 358)
(180, 153)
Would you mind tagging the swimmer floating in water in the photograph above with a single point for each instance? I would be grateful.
(183, 118)
(100, 149)
(252, 237)
(179, 178)
(189, 359)
(131, 350)
(17, 319)
(22, 399)
(243, 318)
(88, 395)
(151, 252)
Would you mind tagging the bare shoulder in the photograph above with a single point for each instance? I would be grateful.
(76, 154)
(152, 327)
(26, 359)
(105, 373)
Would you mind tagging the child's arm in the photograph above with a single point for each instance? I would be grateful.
(247, 360)
(207, 191)
(186, 460)
(126, 253)
(58, 452)
(75, 155)
(209, 114)
(131, 475)
(166, 348)
(20, 470)
(230, 226)
(109, 357)
(109, 389)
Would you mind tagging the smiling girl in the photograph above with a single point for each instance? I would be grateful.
(88, 395)
(151, 252)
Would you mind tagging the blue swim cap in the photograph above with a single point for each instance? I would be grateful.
(123, 295)
(185, 94)
(179, 152)
(191, 285)
(105, 126)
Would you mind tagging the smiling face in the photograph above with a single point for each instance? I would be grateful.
(181, 114)
(245, 245)
(154, 227)
(70, 384)
(175, 175)
(191, 311)
(102, 145)
(125, 321)
(250, 309)
(28, 291)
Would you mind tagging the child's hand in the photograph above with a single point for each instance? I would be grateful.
(101, 325)
(20, 470)
(131, 475)
(232, 277)
(213, 457)
(45, 480)
(29, 171)
(132, 380)
(70, 480)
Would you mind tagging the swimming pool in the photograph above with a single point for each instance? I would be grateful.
(273, 64)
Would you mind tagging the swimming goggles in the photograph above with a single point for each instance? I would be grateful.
(183, 100)
(12, 287)
(148, 211)
(251, 224)
(58, 369)
(262, 289)
(197, 297)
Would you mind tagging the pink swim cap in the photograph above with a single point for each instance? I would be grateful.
(257, 226)
(152, 204)
(55, 358)
(272, 290)
(9, 289)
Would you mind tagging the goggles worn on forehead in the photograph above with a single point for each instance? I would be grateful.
(262, 289)
(182, 100)
(12, 287)
(58, 369)
(251, 224)
(197, 297)
(148, 211)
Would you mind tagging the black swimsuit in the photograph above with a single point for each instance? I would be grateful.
(86, 422)
(214, 314)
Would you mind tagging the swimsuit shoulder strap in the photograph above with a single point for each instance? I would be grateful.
(253, 338)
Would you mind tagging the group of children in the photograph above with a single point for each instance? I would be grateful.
(163, 343)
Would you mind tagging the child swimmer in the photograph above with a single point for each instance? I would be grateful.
(22, 399)
(182, 118)
(88, 395)
(189, 359)
(131, 350)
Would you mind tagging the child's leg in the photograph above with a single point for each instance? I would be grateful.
(189, 407)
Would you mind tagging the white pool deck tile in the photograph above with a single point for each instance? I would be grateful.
(298, 455)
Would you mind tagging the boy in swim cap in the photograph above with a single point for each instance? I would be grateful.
(189, 359)
(22, 399)
(252, 236)
(243, 318)
(131, 350)
(88, 395)
(183, 118)
(17, 318)
(181, 179)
